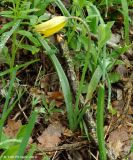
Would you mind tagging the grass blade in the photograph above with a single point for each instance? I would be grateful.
(7, 35)
(126, 20)
(7, 102)
(17, 67)
(26, 137)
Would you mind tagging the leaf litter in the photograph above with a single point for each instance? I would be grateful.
(12, 128)
(51, 136)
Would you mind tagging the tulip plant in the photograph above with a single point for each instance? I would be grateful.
(48, 28)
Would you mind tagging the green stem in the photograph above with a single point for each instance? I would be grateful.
(100, 122)
(126, 20)
(104, 62)
(109, 91)
(13, 50)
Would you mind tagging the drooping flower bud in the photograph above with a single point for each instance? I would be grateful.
(51, 26)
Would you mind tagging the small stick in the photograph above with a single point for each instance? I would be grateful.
(70, 67)
(73, 146)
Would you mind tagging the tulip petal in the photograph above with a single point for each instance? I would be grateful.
(51, 26)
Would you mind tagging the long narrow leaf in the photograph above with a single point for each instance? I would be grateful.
(63, 80)
(5, 115)
(7, 102)
(31, 152)
(7, 26)
(5, 36)
(26, 137)
(17, 67)
(93, 83)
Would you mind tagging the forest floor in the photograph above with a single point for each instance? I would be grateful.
(37, 86)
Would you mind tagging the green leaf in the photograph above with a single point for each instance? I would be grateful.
(31, 152)
(10, 153)
(31, 48)
(21, 132)
(92, 19)
(17, 67)
(84, 40)
(4, 138)
(5, 56)
(27, 11)
(104, 33)
(93, 83)
(6, 144)
(29, 128)
(33, 19)
(8, 14)
(81, 113)
(116, 53)
(112, 110)
(114, 77)
(29, 36)
(94, 11)
(41, 4)
(5, 36)
(4, 13)
(93, 23)
(43, 17)
(132, 148)
(6, 26)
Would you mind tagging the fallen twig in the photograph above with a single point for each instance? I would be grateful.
(73, 146)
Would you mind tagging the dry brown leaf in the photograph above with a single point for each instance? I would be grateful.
(36, 92)
(118, 141)
(44, 82)
(130, 110)
(58, 103)
(12, 127)
(51, 136)
(116, 147)
(68, 133)
(49, 81)
(55, 95)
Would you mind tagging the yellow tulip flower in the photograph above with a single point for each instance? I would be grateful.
(51, 26)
